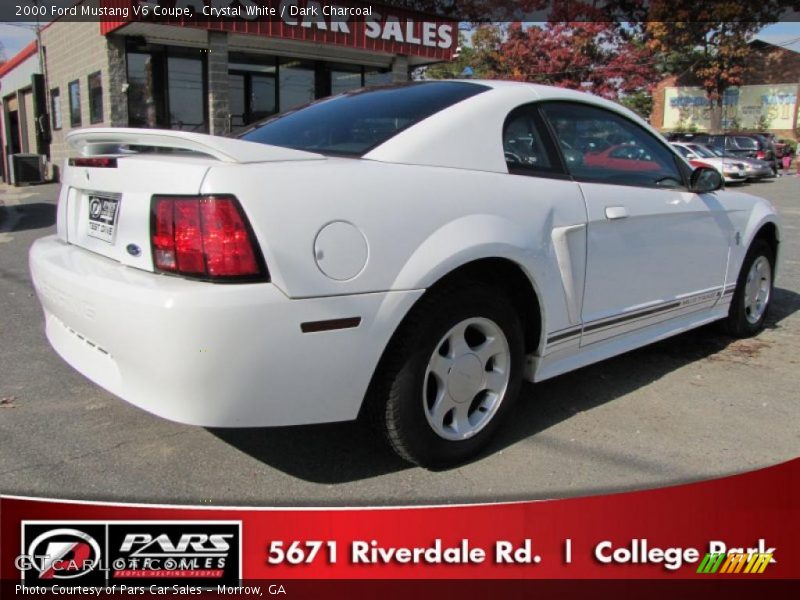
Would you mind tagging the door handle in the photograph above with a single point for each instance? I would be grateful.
(616, 212)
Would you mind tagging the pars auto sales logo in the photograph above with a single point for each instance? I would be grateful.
(57, 554)
(140, 553)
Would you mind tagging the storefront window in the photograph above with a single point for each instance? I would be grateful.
(186, 98)
(142, 90)
(166, 87)
(252, 93)
(377, 77)
(237, 100)
(95, 98)
(262, 97)
(75, 104)
(344, 79)
(297, 84)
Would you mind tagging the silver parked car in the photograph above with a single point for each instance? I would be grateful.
(754, 168)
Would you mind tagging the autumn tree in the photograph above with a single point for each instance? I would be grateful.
(709, 41)
(479, 55)
(603, 57)
(640, 102)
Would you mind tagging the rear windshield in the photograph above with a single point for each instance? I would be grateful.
(354, 123)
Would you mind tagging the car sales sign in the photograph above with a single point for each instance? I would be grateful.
(359, 25)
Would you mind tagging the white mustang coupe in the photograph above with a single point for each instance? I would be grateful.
(410, 252)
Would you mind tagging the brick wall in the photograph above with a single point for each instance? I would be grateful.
(73, 51)
(657, 114)
(218, 82)
(772, 64)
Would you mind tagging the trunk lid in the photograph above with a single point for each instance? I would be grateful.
(107, 210)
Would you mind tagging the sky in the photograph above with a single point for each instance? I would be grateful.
(14, 36)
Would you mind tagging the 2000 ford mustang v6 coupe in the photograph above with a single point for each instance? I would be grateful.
(409, 252)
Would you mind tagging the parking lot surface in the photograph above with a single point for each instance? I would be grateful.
(693, 407)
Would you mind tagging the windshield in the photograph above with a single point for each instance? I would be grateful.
(354, 123)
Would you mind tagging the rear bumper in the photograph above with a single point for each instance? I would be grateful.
(215, 355)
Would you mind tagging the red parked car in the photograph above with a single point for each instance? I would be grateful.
(622, 157)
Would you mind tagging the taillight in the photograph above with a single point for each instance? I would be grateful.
(760, 155)
(207, 237)
(98, 162)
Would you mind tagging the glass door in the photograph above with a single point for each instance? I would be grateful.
(186, 86)
(252, 93)
(298, 83)
(237, 105)
(262, 96)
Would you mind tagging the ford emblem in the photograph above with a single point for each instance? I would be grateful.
(133, 250)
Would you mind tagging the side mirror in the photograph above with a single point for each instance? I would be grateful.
(704, 180)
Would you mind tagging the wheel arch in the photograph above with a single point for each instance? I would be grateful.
(509, 276)
(488, 247)
(500, 271)
(769, 233)
(767, 228)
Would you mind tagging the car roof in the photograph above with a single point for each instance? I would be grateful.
(547, 92)
(467, 134)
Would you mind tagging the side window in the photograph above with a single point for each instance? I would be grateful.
(603, 147)
(55, 107)
(95, 98)
(525, 145)
(74, 104)
(746, 143)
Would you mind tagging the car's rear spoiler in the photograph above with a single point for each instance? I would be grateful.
(115, 141)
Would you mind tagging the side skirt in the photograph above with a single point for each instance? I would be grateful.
(570, 356)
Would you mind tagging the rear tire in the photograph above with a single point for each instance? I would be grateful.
(450, 376)
(753, 295)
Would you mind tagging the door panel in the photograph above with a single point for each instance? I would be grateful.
(654, 249)
(671, 246)
(560, 211)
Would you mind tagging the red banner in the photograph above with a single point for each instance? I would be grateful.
(743, 528)
(357, 25)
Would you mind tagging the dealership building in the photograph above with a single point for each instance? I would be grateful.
(766, 100)
(203, 75)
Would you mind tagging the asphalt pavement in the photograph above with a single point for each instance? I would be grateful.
(693, 407)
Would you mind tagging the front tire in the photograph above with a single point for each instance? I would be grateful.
(753, 295)
(450, 376)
